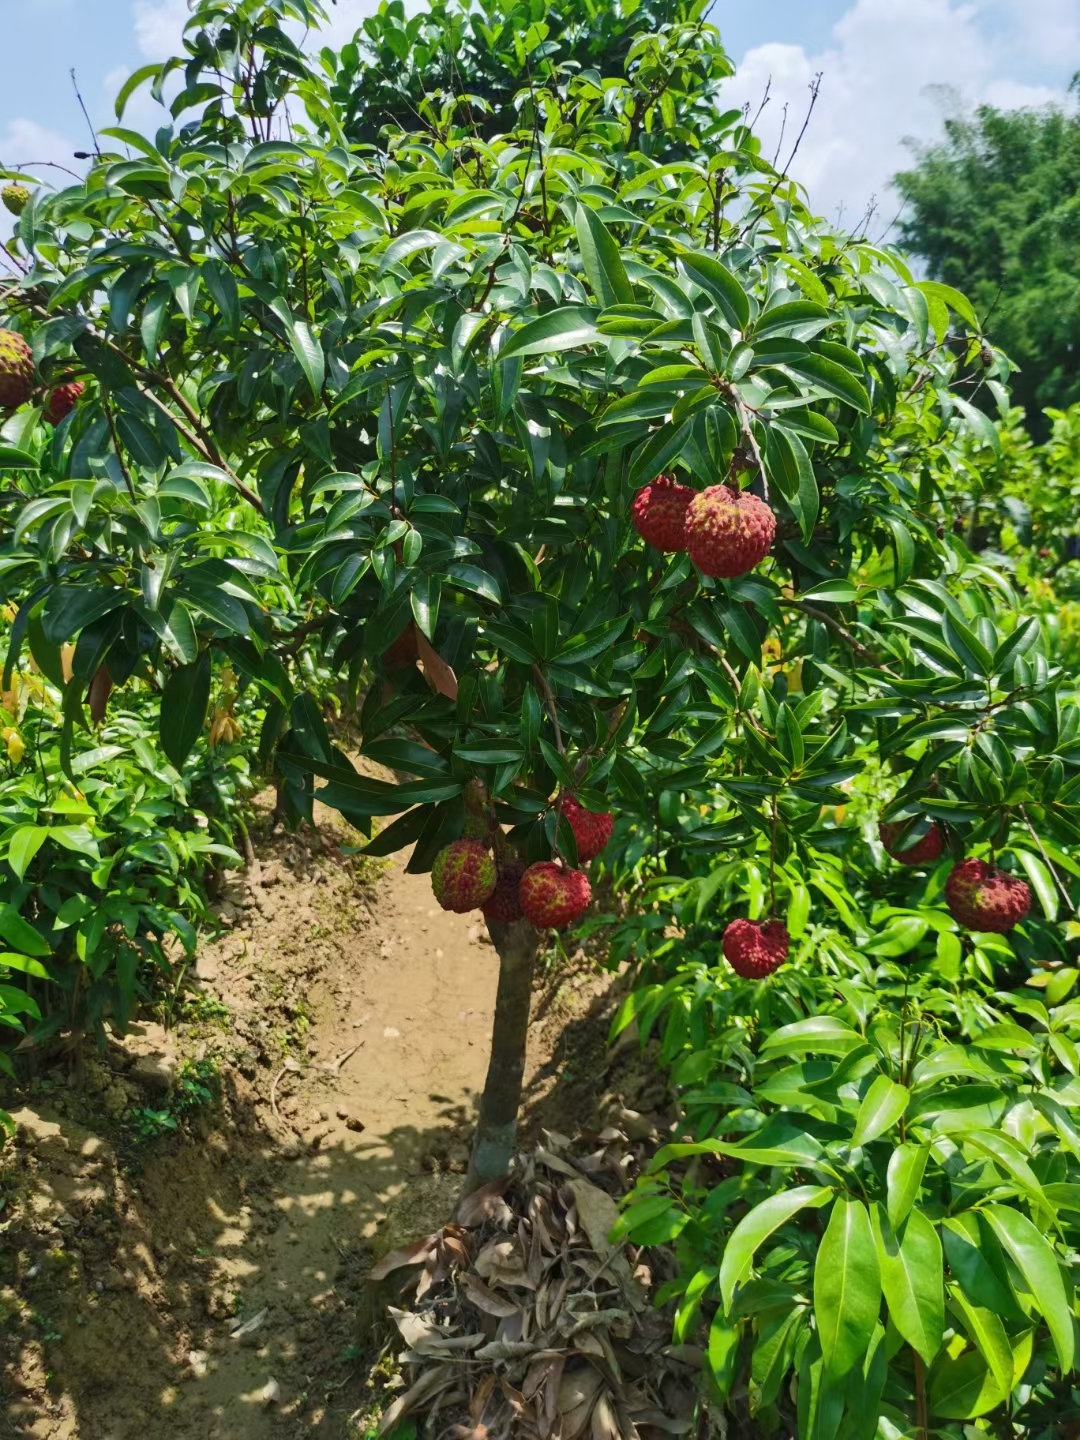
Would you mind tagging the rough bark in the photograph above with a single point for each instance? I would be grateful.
(496, 1130)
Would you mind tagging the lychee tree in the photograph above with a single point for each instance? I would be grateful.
(405, 402)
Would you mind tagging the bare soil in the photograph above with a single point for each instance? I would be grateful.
(211, 1283)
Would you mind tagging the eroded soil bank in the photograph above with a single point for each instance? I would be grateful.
(211, 1282)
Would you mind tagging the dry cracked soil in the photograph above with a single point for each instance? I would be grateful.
(209, 1283)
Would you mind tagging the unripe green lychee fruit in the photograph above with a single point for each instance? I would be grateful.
(463, 876)
(754, 951)
(16, 370)
(592, 831)
(728, 532)
(659, 513)
(62, 401)
(984, 898)
(552, 896)
(15, 198)
(503, 906)
(924, 851)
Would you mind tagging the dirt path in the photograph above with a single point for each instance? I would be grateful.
(213, 1287)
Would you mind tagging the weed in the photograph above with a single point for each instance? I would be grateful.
(196, 1085)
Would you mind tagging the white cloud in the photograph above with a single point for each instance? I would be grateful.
(890, 68)
(159, 26)
(346, 17)
(27, 144)
(1046, 32)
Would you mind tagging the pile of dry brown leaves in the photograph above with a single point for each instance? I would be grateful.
(526, 1321)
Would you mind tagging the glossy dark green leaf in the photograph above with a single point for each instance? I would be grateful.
(184, 703)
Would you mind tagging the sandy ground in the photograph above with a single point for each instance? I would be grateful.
(211, 1284)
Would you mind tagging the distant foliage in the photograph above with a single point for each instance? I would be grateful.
(994, 209)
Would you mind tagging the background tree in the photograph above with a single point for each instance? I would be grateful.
(994, 209)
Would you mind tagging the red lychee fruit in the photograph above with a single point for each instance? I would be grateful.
(754, 951)
(504, 904)
(463, 876)
(928, 848)
(728, 532)
(982, 897)
(552, 896)
(16, 370)
(592, 831)
(62, 401)
(659, 510)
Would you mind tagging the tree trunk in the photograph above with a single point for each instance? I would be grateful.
(496, 1131)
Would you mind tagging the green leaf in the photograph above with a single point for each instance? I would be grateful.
(882, 1106)
(1036, 1261)
(20, 933)
(602, 261)
(723, 1352)
(23, 845)
(834, 379)
(757, 1226)
(988, 1335)
(132, 83)
(911, 1279)
(718, 281)
(962, 1388)
(847, 1287)
(659, 450)
(824, 1034)
(561, 329)
(183, 709)
(1042, 882)
(907, 1165)
(309, 352)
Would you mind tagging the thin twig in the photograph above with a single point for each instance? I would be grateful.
(857, 647)
(1048, 862)
(86, 116)
(19, 266)
(549, 701)
(50, 165)
(748, 434)
(780, 137)
(116, 444)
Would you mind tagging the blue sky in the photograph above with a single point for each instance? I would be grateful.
(890, 68)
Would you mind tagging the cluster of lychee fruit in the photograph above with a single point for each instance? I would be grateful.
(725, 531)
(18, 380)
(550, 895)
(979, 895)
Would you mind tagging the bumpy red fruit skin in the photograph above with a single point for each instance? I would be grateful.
(62, 401)
(592, 831)
(659, 513)
(754, 951)
(463, 876)
(981, 897)
(728, 533)
(504, 905)
(552, 896)
(16, 370)
(925, 851)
